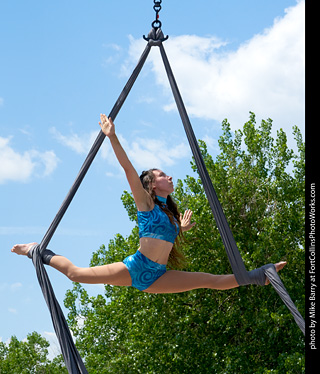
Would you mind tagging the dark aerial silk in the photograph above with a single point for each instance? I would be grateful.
(70, 354)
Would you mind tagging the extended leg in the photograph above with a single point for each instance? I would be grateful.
(115, 274)
(180, 281)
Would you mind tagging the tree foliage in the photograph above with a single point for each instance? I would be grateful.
(29, 357)
(260, 184)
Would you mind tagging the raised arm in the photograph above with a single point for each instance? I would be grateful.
(141, 197)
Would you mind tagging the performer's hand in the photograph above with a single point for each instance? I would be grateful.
(107, 126)
(185, 220)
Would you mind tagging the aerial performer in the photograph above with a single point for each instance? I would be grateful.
(160, 226)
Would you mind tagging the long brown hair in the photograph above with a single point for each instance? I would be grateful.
(176, 257)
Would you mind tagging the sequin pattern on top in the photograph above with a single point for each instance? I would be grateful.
(156, 224)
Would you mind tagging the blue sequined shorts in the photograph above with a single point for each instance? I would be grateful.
(143, 271)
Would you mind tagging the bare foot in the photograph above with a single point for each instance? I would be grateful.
(279, 266)
(22, 249)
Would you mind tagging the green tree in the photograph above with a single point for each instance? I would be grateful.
(29, 357)
(260, 184)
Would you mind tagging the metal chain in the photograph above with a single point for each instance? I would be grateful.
(157, 7)
(156, 36)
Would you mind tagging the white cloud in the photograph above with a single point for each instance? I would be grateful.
(20, 167)
(79, 144)
(38, 230)
(15, 286)
(47, 161)
(211, 142)
(54, 348)
(144, 152)
(22, 230)
(10, 287)
(115, 51)
(264, 75)
(149, 153)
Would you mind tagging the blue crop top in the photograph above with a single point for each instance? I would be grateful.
(156, 224)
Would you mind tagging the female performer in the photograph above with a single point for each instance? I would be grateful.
(160, 225)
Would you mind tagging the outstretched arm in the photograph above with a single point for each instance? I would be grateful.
(140, 195)
(108, 128)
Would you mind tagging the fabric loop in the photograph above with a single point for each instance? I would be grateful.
(256, 276)
(46, 254)
(71, 356)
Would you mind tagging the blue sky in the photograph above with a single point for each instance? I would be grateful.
(63, 63)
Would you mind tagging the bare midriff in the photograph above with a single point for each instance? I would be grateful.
(155, 249)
